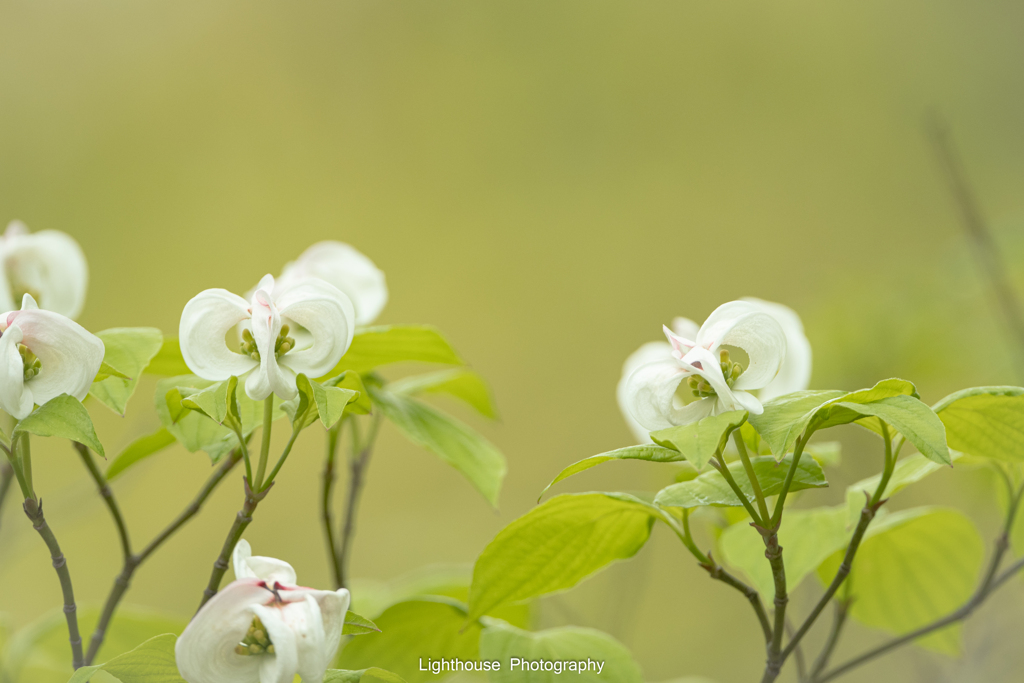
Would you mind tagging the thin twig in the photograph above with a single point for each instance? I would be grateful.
(842, 610)
(798, 655)
(718, 462)
(718, 573)
(34, 511)
(357, 472)
(327, 498)
(985, 249)
(108, 498)
(132, 563)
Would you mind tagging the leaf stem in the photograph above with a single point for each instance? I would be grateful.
(34, 511)
(755, 485)
(6, 477)
(268, 422)
(327, 497)
(108, 498)
(718, 462)
(360, 460)
(280, 461)
(780, 503)
(132, 563)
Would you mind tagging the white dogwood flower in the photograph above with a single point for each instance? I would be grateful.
(346, 268)
(43, 355)
(262, 627)
(318, 315)
(718, 383)
(48, 264)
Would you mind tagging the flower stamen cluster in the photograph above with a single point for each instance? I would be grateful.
(31, 364)
(256, 641)
(730, 371)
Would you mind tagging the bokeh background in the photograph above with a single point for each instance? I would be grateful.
(547, 182)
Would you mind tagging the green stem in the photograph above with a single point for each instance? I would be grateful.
(6, 477)
(780, 503)
(280, 461)
(108, 498)
(327, 497)
(268, 421)
(755, 485)
(718, 462)
(131, 564)
(34, 511)
(360, 460)
(842, 610)
(25, 456)
(773, 551)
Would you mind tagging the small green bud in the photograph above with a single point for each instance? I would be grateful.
(255, 649)
(241, 650)
(270, 649)
(723, 355)
(247, 336)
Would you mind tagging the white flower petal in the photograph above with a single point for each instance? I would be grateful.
(795, 373)
(326, 313)
(650, 391)
(269, 569)
(205, 652)
(15, 400)
(205, 322)
(48, 263)
(742, 400)
(347, 269)
(333, 607)
(684, 327)
(747, 326)
(271, 377)
(281, 666)
(305, 621)
(70, 355)
(648, 353)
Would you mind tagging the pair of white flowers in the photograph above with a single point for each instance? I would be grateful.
(778, 361)
(262, 627)
(301, 322)
(43, 352)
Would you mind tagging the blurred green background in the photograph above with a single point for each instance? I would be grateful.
(547, 182)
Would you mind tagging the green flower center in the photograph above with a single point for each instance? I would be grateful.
(31, 364)
(282, 345)
(730, 370)
(256, 641)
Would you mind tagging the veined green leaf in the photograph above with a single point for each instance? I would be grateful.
(151, 662)
(584, 647)
(128, 350)
(138, 450)
(700, 441)
(556, 545)
(785, 418)
(317, 400)
(908, 470)
(462, 383)
(986, 422)
(356, 625)
(64, 417)
(472, 455)
(373, 347)
(351, 380)
(412, 631)
(711, 488)
(648, 452)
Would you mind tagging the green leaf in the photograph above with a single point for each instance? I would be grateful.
(987, 422)
(351, 380)
(827, 453)
(317, 400)
(373, 347)
(700, 441)
(785, 418)
(556, 545)
(151, 662)
(138, 450)
(646, 452)
(356, 625)
(462, 383)
(919, 566)
(909, 470)
(371, 675)
(585, 648)
(477, 459)
(217, 402)
(64, 417)
(809, 537)
(413, 631)
(711, 488)
(168, 361)
(128, 351)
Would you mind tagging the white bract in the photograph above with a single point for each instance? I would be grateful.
(48, 264)
(318, 314)
(262, 627)
(718, 383)
(346, 268)
(43, 355)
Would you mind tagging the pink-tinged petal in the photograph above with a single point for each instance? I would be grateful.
(281, 666)
(685, 328)
(306, 623)
(271, 377)
(205, 322)
(269, 569)
(326, 313)
(648, 353)
(347, 269)
(746, 326)
(70, 355)
(333, 607)
(650, 393)
(680, 345)
(48, 263)
(14, 398)
(205, 652)
(795, 373)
